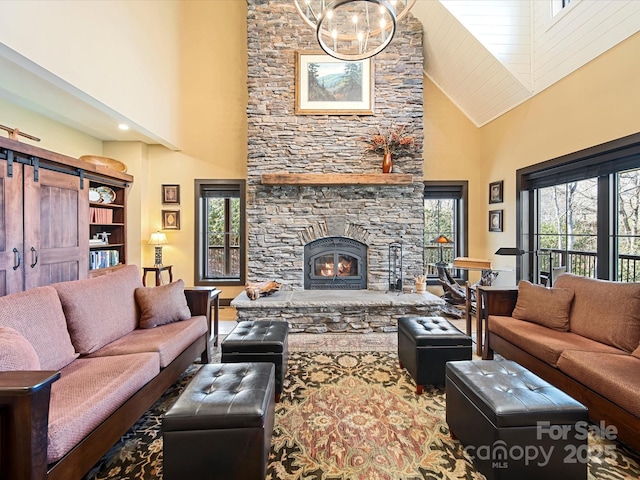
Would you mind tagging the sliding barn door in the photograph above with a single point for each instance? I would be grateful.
(11, 240)
(56, 219)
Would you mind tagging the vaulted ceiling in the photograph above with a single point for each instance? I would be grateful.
(487, 56)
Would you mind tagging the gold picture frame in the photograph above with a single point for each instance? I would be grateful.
(171, 194)
(320, 85)
(170, 219)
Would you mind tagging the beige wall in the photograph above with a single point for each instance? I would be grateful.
(53, 135)
(597, 103)
(213, 98)
(122, 55)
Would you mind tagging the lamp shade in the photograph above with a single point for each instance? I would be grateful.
(441, 239)
(509, 251)
(158, 238)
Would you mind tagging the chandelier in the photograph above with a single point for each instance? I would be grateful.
(353, 30)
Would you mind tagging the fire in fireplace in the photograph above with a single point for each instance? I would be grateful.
(335, 263)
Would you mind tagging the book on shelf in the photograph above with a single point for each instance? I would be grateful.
(103, 259)
(100, 215)
(467, 262)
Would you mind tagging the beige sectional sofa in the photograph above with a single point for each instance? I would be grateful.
(583, 336)
(81, 361)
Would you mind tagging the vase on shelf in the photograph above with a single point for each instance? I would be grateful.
(387, 163)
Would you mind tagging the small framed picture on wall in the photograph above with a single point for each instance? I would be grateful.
(495, 220)
(495, 192)
(171, 194)
(170, 219)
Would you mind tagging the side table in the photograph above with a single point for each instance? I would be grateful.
(158, 274)
(486, 303)
(203, 299)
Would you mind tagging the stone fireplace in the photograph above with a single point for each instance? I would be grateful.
(286, 217)
(320, 213)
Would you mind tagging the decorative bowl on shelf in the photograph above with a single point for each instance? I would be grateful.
(106, 194)
(109, 163)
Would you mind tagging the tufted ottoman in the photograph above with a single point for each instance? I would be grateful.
(221, 425)
(426, 344)
(514, 424)
(259, 341)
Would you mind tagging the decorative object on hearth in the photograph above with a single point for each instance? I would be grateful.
(353, 29)
(157, 240)
(395, 266)
(14, 133)
(421, 283)
(389, 142)
(261, 289)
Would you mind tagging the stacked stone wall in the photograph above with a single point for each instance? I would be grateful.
(280, 217)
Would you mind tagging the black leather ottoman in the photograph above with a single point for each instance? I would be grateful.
(426, 344)
(514, 424)
(221, 425)
(259, 341)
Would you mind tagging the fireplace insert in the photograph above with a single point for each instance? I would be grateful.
(335, 263)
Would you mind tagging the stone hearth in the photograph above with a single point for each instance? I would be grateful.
(335, 311)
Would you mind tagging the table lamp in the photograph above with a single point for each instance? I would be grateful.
(441, 240)
(158, 239)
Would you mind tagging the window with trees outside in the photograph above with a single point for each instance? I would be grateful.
(583, 214)
(445, 213)
(220, 238)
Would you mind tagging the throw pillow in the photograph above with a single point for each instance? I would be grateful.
(548, 307)
(162, 305)
(636, 352)
(16, 353)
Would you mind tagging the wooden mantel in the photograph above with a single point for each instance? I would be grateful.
(336, 179)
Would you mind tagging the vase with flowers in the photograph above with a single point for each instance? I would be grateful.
(389, 142)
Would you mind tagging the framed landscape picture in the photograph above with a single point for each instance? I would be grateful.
(170, 219)
(328, 86)
(495, 220)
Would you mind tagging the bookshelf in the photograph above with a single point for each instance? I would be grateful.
(107, 227)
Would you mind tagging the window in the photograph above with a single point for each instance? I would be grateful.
(581, 214)
(220, 238)
(445, 213)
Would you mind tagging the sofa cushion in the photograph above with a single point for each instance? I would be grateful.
(548, 307)
(16, 353)
(162, 305)
(608, 312)
(542, 342)
(608, 374)
(88, 391)
(168, 340)
(37, 315)
(100, 310)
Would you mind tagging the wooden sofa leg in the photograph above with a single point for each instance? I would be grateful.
(419, 389)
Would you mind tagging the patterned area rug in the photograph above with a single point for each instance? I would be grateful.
(346, 416)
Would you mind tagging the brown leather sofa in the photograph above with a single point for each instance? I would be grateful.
(582, 335)
(81, 361)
